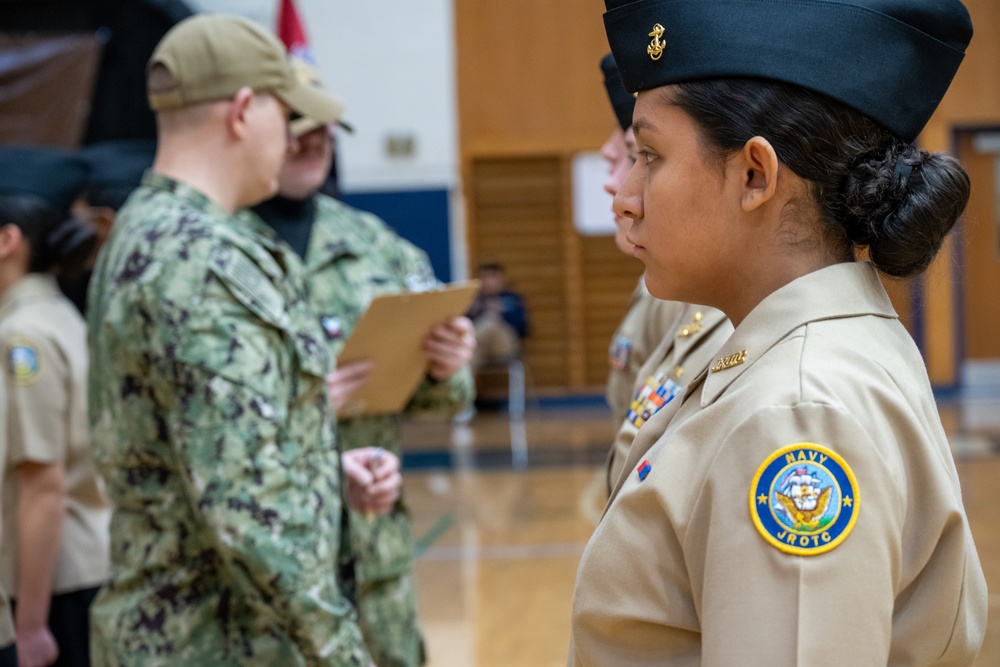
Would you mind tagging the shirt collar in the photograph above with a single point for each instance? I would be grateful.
(195, 198)
(330, 242)
(32, 287)
(848, 289)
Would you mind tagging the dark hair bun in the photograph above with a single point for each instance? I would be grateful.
(901, 202)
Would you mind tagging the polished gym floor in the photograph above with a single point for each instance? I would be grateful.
(499, 547)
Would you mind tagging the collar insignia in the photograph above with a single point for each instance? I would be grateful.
(692, 327)
(730, 361)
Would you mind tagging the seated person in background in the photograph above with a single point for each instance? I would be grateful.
(499, 316)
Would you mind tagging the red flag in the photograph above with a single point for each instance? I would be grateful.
(292, 32)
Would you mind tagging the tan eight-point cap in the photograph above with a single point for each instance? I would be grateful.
(211, 56)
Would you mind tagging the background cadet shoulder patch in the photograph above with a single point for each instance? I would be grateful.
(24, 361)
(804, 499)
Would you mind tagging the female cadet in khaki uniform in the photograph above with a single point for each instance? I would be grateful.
(802, 506)
(54, 554)
(687, 344)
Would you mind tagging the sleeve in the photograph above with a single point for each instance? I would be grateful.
(258, 472)
(760, 601)
(410, 264)
(37, 398)
(450, 396)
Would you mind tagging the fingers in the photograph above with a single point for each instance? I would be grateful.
(449, 346)
(356, 469)
(347, 380)
(373, 479)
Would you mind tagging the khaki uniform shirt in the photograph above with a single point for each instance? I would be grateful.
(802, 506)
(6, 622)
(677, 360)
(43, 342)
(646, 324)
(213, 430)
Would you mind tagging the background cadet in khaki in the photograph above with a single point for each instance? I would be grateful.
(8, 654)
(802, 505)
(697, 332)
(350, 258)
(54, 553)
(207, 385)
(677, 360)
(648, 319)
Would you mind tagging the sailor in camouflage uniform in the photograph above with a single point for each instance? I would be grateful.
(351, 257)
(208, 405)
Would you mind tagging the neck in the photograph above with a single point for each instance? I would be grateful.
(203, 165)
(10, 276)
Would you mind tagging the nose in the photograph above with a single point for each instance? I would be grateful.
(628, 199)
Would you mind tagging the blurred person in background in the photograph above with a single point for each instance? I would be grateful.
(114, 169)
(686, 346)
(351, 257)
(54, 549)
(648, 319)
(500, 318)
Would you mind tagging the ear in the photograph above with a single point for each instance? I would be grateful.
(11, 239)
(759, 182)
(238, 111)
(102, 219)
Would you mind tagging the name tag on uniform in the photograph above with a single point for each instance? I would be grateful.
(332, 327)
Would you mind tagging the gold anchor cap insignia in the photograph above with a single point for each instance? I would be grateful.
(655, 48)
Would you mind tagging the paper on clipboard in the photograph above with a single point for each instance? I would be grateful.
(389, 333)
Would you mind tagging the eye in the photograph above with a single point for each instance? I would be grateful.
(647, 156)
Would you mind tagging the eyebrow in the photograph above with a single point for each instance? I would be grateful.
(643, 123)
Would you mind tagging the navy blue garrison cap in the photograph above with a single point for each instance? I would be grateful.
(116, 169)
(892, 60)
(622, 101)
(119, 163)
(54, 175)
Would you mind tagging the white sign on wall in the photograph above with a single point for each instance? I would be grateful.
(592, 214)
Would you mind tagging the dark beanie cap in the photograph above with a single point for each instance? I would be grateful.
(892, 60)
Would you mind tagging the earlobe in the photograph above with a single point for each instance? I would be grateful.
(760, 173)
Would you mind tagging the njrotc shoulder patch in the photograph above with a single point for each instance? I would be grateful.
(804, 499)
(24, 361)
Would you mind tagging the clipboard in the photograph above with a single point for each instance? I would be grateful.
(389, 333)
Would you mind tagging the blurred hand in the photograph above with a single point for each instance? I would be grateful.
(449, 346)
(344, 382)
(373, 479)
(36, 648)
